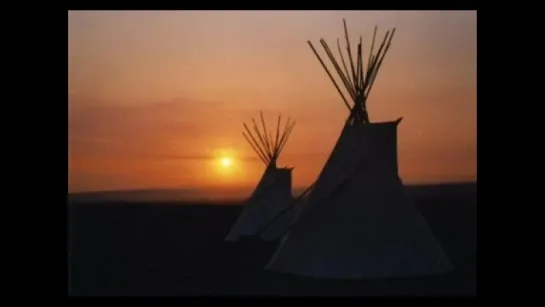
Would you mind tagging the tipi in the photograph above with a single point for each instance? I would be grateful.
(360, 222)
(273, 192)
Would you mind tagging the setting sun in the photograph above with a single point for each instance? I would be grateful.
(225, 165)
(226, 162)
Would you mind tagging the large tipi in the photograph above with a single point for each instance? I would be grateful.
(273, 192)
(360, 222)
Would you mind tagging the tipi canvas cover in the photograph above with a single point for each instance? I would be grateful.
(360, 222)
(273, 192)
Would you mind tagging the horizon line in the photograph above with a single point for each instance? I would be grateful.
(227, 189)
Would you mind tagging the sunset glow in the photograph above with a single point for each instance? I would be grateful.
(157, 98)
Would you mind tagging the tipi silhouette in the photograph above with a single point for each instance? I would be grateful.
(273, 192)
(359, 222)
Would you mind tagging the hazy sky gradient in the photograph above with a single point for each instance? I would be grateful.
(155, 97)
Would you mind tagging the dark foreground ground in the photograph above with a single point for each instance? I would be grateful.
(168, 249)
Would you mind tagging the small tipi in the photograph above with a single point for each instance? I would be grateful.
(360, 222)
(273, 192)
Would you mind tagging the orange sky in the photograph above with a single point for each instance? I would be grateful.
(156, 97)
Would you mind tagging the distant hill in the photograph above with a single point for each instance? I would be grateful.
(190, 195)
(427, 189)
(156, 195)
